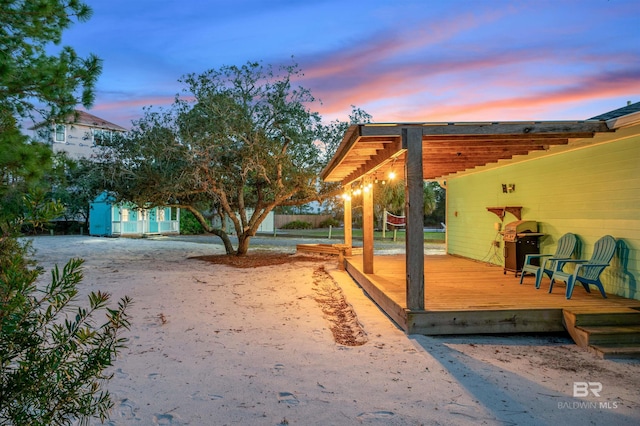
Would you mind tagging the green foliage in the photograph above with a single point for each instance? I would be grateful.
(329, 222)
(39, 210)
(298, 224)
(189, 225)
(330, 135)
(391, 197)
(36, 81)
(76, 183)
(437, 216)
(31, 77)
(243, 139)
(22, 166)
(52, 353)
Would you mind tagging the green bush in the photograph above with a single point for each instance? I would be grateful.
(189, 225)
(329, 222)
(298, 224)
(52, 353)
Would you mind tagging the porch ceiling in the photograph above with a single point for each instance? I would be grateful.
(447, 148)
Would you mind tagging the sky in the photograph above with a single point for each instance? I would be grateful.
(398, 60)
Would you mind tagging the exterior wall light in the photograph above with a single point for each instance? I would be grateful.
(508, 187)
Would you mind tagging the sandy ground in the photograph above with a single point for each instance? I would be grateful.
(213, 344)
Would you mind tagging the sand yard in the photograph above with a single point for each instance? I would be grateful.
(298, 343)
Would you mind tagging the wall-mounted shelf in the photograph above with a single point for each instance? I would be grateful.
(500, 211)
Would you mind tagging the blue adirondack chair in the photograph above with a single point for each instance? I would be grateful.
(564, 250)
(587, 272)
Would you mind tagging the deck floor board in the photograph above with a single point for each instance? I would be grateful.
(454, 284)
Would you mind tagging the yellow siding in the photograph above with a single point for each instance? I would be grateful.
(591, 192)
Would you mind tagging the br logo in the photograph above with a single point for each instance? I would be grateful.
(582, 389)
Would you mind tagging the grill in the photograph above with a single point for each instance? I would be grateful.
(519, 229)
(520, 239)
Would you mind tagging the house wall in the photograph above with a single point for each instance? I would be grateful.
(77, 143)
(266, 226)
(592, 191)
(78, 139)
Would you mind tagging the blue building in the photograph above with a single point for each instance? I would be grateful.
(107, 219)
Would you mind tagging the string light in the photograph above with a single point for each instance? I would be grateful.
(392, 173)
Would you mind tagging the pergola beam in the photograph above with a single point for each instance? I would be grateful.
(571, 129)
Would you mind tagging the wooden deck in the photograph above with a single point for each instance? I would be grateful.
(468, 297)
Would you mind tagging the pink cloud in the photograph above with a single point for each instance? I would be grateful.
(522, 107)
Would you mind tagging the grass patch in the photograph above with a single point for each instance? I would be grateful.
(338, 233)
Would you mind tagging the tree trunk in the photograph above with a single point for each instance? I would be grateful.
(243, 244)
(228, 247)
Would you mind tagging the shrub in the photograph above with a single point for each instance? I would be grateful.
(329, 222)
(298, 224)
(189, 225)
(52, 354)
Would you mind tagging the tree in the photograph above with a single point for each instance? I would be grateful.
(330, 135)
(50, 366)
(34, 82)
(21, 168)
(75, 186)
(329, 138)
(241, 142)
(391, 197)
(437, 215)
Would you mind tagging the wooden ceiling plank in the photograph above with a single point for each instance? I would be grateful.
(375, 162)
(494, 142)
(454, 146)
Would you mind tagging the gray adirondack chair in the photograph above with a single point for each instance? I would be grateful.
(587, 272)
(564, 250)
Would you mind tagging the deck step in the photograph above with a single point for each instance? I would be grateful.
(629, 317)
(616, 352)
(608, 334)
(612, 334)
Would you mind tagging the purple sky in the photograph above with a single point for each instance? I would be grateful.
(399, 60)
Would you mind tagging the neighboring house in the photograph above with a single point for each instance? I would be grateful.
(267, 226)
(107, 219)
(78, 136)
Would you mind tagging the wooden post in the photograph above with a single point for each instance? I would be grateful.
(367, 227)
(384, 223)
(414, 211)
(348, 236)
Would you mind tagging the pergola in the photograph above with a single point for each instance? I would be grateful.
(432, 151)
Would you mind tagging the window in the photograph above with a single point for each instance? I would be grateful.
(60, 135)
